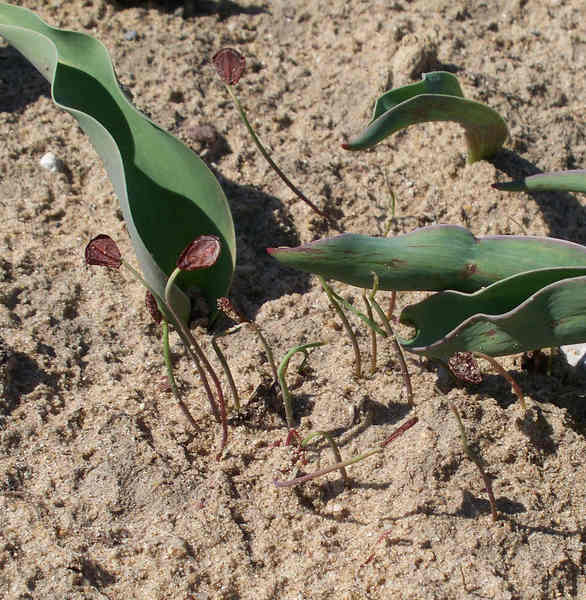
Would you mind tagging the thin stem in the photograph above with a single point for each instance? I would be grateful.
(163, 305)
(347, 327)
(369, 322)
(282, 373)
(476, 460)
(267, 348)
(333, 446)
(224, 363)
(171, 377)
(267, 157)
(186, 335)
(397, 346)
(319, 473)
(507, 376)
(373, 347)
(392, 302)
(346, 463)
(400, 431)
(202, 375)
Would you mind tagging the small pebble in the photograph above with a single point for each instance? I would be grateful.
(130, 35)
(50, 162)
(575, 355)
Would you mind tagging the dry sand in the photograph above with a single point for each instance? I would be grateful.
(105, 490)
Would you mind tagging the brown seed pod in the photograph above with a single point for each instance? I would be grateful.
(229, 64)
(103, 251)
(202, 253)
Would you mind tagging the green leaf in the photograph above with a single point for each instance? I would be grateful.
(524, 312)
(568, 181)
(438, 97)
(167, 194)
(433, 258)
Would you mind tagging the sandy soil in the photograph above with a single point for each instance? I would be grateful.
(105, 490)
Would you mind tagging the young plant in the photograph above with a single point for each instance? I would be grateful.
(201, 253)
(282, 376)
(438, 97)
(498, 295)
(347, 327)
(167, 194)
(230, 65)
(351, 461)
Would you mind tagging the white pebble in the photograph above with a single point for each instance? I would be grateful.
(575, 355)
(50, 162)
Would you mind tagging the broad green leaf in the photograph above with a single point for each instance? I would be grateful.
(433, 258)
(167, 194)
(568, 181)
(438, 97)
(524, 312)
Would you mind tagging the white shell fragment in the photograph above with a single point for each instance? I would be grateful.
(50, 162)
(575, 355)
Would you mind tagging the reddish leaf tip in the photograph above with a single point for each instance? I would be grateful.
(346, 146)
(202, 253)
(230, 65)
(103, 251)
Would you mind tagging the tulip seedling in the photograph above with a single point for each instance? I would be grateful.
(167, 194)
(201, 253)
(438, 97)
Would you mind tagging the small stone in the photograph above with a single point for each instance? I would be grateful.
(575, 355)
(130, 35)
(50, 162)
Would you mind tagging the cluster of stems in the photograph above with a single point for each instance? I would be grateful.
(201, 253)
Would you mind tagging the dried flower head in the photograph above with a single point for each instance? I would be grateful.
(153, 307)
(202, 253)
(229, 64)
(103, 251)
(464, 366)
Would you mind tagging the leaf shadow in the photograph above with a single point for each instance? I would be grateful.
(193, 8)
(21, 84)
(261, 221)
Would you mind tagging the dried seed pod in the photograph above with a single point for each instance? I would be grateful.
(103, 251)
(202, 253)
(229, 64)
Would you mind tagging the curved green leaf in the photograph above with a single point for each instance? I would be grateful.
(438, 97)
(433, 258)
(167, 194)
(568, 181)
(523, 312)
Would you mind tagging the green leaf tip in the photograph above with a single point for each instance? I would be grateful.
(167, 194)
(566, 181)
(438, 97)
